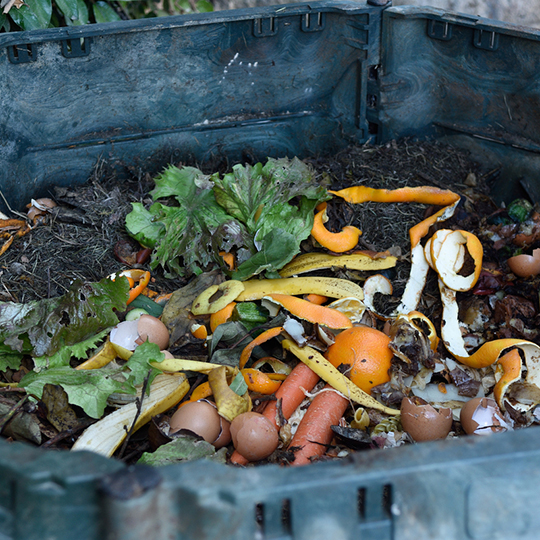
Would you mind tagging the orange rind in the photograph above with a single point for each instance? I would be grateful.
(310, 312)
(340, 242)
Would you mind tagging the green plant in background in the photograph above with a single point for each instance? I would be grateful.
(35, 14)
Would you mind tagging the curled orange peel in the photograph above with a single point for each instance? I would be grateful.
(201, 392)
(228, 259)
(142, 277)
(221, 316)
(345, 240)
(310, 312)
(419, 321)
(199, 331)
(259, 340)
(373, 285)
(318, 299)
(425, 195)
(509, 366)
(260, 382)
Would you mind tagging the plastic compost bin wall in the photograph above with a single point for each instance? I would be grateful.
(137, 95)
(297, 80)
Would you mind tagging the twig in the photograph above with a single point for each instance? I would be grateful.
(4, 421)
(83, 424)
(11, 209)
(139, 402)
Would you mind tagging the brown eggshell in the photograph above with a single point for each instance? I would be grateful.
(254, 436)
(423, 422)
(200, 417)
(152, 329)
(224, 438)
(481, 416)
(525, 265)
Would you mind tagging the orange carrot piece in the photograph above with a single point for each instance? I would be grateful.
(314, 432)
(291, 393)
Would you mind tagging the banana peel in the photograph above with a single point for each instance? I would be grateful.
(229, 404)
(175, 365)
(353, 261)
(256, 289)
(326, 371)
(105, 436)
(208, 303)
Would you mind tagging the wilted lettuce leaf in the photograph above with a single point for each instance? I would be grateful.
(183, 448)
(88, 389)
(139, 363)
(261, 212)
(63, 356)
(43, 327)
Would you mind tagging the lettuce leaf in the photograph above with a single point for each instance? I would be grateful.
(261, 212)
(43, 327)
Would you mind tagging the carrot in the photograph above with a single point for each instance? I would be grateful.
(291, 394)
(314, 432)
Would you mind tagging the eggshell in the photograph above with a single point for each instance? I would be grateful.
(254, 436)
(152, 329)
(482, 416)
(200, 417)
(525, 265)
(423, 422)
(224, 438)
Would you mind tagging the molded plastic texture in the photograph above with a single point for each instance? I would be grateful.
(136, 95)
(300, 79)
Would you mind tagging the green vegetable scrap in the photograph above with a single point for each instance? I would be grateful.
(261, 213)
(43, 328)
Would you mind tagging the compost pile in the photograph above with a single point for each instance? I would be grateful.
(233, 340)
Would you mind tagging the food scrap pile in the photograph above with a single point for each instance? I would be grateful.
(285, 312)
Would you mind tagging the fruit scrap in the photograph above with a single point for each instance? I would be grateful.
(11, 229)
(326, 371)
(260, 339)
(142, 277)
(256, 289)
(226, 292)
(313, 313)
(352, 261)
(229, 404)
(424, 195)
(221, 316)
(105, 436)
(336, 242)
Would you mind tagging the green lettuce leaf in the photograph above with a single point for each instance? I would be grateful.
(43, 327)
(262, 213)
(88, 389)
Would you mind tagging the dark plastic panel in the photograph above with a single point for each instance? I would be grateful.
(471, 80)
(136, 95)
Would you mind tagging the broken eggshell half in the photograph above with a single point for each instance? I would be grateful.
(482, 416)
(423, 422)
(525, 266)
(127, 335)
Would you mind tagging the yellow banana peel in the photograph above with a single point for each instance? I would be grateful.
(256, 289)
(354, 261)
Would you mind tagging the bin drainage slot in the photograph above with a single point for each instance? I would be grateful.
(313, 22)
(440, 30)
(486, 39)
(374, 503)
(265, 27)
(23, 53)
(274, 520)
(76, 47)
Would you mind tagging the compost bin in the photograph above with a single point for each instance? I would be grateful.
(291, 80)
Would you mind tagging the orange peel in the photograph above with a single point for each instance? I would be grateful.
(260, 382)
(199, 331)
(318, 299)
(259, 340)
(373, 285)
(326, 316)
(345, 240)
(221, 316)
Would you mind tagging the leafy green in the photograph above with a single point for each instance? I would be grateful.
(183, 448)
(239, 385)
(104, 13)
(260, 212)
(67, 352)
(33, 15)
(50, 324)
(88, 389)
(139, 363)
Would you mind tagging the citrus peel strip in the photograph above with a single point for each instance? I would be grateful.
(339, 242)
(313, 313)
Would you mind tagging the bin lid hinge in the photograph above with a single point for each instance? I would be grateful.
(441, 30)
(486, 39)
(264, 27)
